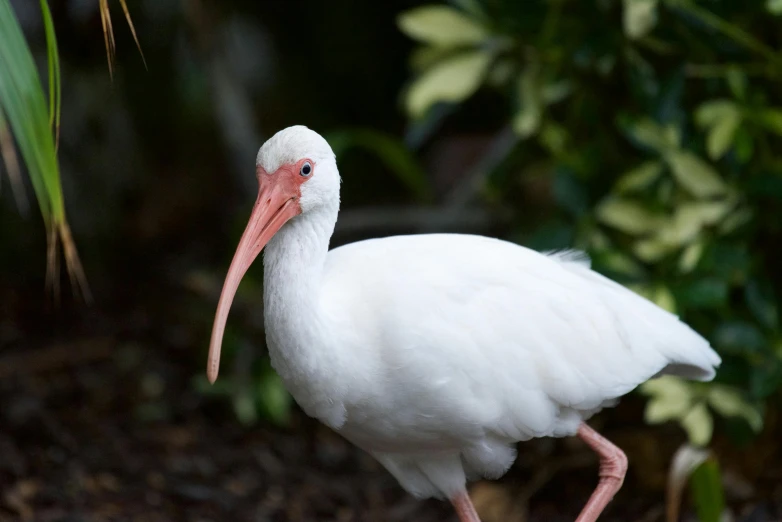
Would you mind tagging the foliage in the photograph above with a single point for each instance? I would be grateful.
(689, 403)
(25, 116)
(394, 155)
(698, 467)
(108, 32)
(656, 125)
(23, 104)
(255, 390)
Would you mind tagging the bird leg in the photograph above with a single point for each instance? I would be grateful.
(464, 508)
(613, 465)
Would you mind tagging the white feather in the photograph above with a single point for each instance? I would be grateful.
(436, 353)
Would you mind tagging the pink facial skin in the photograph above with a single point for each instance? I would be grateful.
(278, 201)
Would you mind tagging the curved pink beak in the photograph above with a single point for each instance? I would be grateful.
(277, 203)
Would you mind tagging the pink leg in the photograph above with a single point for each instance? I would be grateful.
(464, 508)
(613, 465)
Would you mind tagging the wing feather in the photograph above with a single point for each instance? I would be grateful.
(498, 337)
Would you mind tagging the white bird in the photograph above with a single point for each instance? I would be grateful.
(437, 353)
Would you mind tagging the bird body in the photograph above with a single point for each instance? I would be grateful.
(500, 344)
(436, 353)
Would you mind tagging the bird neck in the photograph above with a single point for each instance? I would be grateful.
(298, 335)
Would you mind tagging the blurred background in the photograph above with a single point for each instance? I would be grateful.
(645, 132)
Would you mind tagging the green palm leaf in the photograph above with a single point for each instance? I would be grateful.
(31, 122)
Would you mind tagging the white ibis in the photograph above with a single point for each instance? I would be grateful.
(436, 353)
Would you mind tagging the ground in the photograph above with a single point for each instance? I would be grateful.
(104, 423)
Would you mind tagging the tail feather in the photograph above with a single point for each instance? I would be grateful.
(689, 354)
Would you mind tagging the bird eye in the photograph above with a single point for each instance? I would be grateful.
(306, 169)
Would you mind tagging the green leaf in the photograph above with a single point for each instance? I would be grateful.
(391, 151)
(698, 424)
(725, 400)
(452, 80)
(728, 402)
(273, 397)
(640, 17)
(774, 7)
(617, 261)
(663, 298)
(441, 25)
(738, 337)
(690, 257)
(772, 120)
(695, 175)
(502, 72)
(53, 55)
(639, 178)
(24, 105)
(706, 487)
(527, 120)
(659, 409)
(652, 250)
(556, 91)
(688, 221)
(708, 292)
(700, 214)
(627, 215)
(554, 137)
(721, 135)
(644, 290)
(682, 228)
(711, 112)
(737, 81)
(424, 57)
(652, 135)
(667, 387)
(736, 220)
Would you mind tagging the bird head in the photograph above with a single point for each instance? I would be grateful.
(297, 174)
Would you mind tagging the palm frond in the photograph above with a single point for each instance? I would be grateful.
(11, 162)
(55, 82)
(133, 30)
(32, 123)
(108, 32)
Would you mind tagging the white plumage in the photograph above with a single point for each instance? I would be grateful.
(437, 353)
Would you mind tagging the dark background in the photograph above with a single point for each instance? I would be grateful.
(105, 415)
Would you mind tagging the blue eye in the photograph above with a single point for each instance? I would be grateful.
(306, 169)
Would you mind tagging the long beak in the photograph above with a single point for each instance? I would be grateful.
(275, 205)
